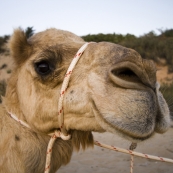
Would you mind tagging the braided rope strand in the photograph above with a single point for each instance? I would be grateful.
(63, 134)
(18, 120)
(64, 87)
(147, 156)
(49, 151)
(131, 163)
(132, 147)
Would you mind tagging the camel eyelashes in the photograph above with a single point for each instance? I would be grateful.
(43, 68)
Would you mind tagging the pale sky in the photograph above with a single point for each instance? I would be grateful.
(84, 17)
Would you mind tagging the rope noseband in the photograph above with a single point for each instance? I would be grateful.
(63, 134)
(64, 87)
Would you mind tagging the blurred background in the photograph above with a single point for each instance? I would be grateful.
(146, 26)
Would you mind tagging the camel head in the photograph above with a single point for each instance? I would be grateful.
(111, 88)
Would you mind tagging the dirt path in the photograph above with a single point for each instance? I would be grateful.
(163, 76)
(99, 160)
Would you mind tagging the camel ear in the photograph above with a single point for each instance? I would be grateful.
(20, 49)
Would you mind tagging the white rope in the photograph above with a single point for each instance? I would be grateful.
(64, 87)
(132, 147)
(131, 163)
(18, 120)
(147, 156)
(49, 150)
(63, 134)
(54, 136)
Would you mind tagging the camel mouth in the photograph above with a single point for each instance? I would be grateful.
(128, 75)
(124, 133)
(136, 126)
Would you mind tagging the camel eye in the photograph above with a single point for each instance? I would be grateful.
(43, 68)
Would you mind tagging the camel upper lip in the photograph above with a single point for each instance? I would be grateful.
(129, 75)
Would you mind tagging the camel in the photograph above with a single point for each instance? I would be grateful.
(111, 89)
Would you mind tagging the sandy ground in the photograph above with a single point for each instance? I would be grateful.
(100, 160)
(163, 76)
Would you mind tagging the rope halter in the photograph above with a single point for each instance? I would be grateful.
(65, 85)
(63, 133)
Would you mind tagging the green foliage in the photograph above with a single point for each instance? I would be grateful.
(149, 46)
(29, 32)
(167, 90)
(3, 40)
(2, 89)
(114, 38)
(166, 33)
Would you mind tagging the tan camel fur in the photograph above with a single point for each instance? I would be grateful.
(111, 89)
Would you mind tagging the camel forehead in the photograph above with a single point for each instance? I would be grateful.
(51, 37)
(113, 53)
(102, 50)
(111, 48)
(54, 36)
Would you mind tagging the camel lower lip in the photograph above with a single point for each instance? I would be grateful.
(107, 126)
(136, 136)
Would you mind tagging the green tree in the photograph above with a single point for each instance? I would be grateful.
(29, 32)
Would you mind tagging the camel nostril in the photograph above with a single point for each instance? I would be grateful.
(126, 74)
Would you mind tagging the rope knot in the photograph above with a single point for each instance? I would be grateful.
(65, 137)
